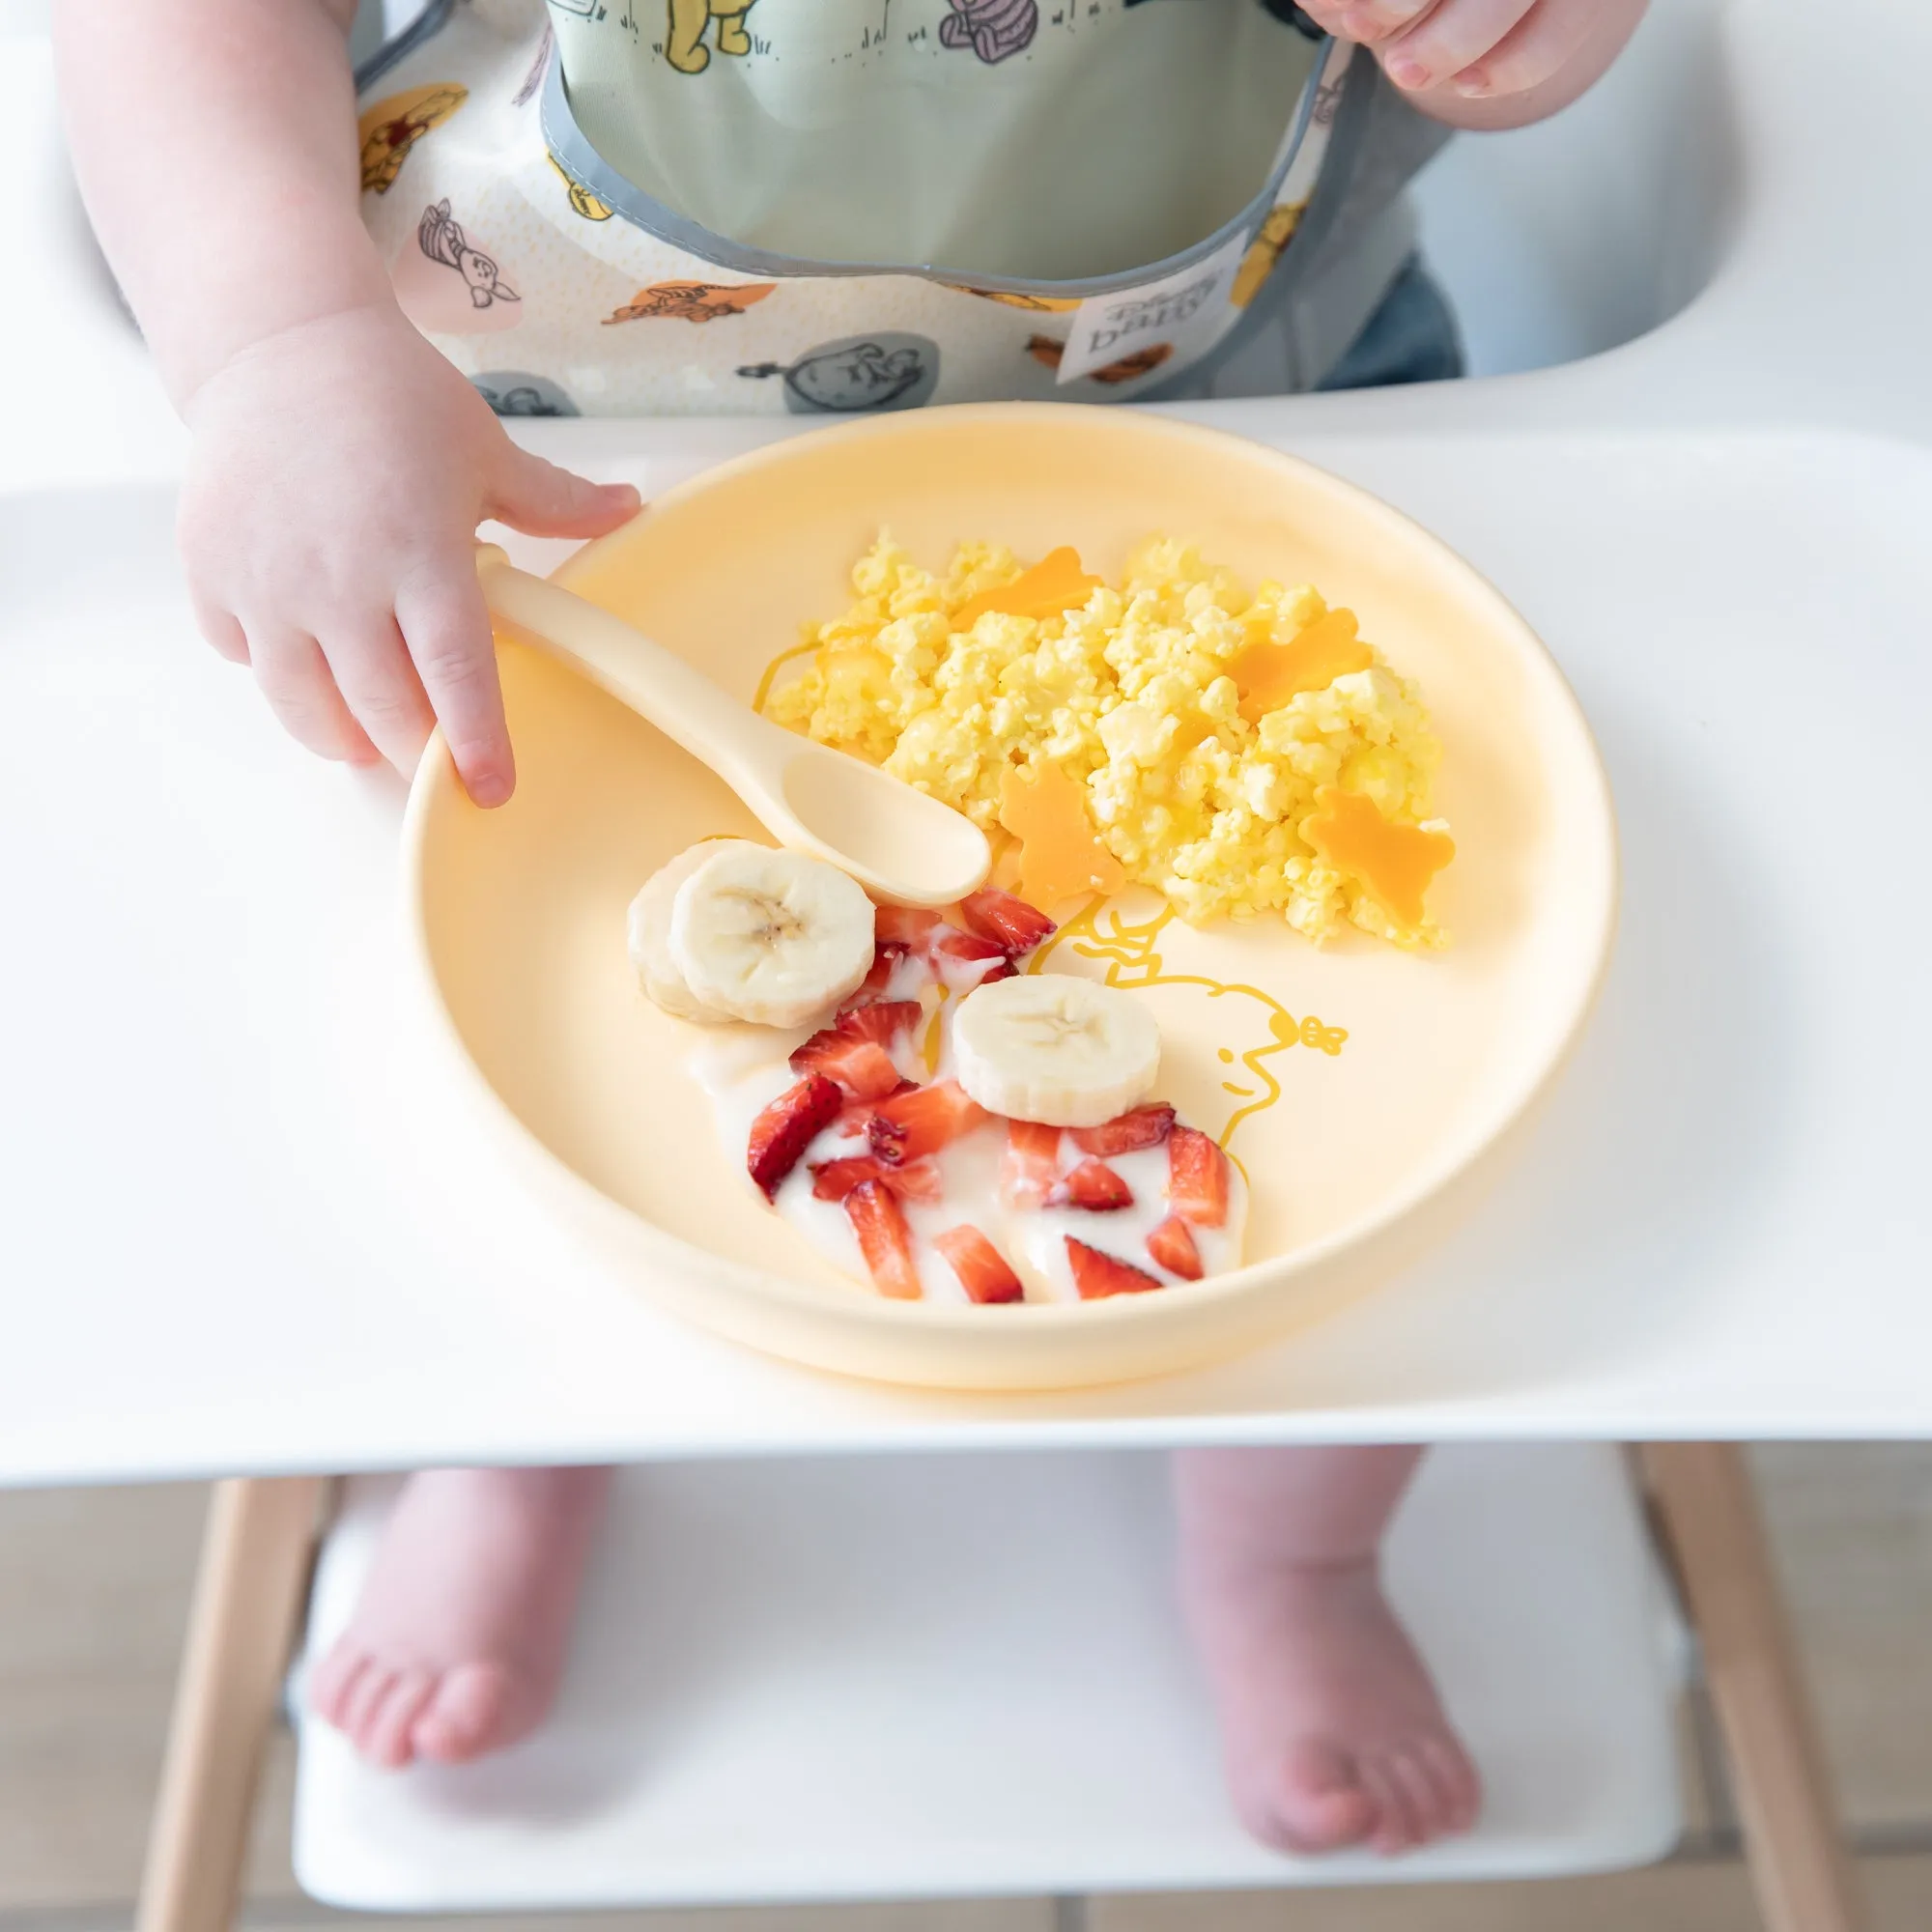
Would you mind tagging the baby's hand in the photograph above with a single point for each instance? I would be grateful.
(329, 525)
(1479, 49)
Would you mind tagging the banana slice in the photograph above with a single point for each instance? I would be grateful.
(1049, 1047)
(649, 932)
(770, 937)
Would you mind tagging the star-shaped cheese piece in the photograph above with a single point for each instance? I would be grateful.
(1054, 584)
(1268, 674)
(1061, 855)
(1394, 861)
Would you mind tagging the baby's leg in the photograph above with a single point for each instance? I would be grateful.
(1333, 1732)
(458, 1642)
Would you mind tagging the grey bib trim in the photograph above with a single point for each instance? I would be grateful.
(584, 165)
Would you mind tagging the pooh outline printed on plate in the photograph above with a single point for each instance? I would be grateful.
(1133, 965)
(1102, 931)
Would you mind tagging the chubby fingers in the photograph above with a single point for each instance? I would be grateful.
(1451, 36)
(1542, 42)
(373, 671)
(294, 677)
(547, 501)
(446, 624)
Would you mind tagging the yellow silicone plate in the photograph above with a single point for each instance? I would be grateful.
(1355, 1084)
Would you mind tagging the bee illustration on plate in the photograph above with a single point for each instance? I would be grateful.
(442, 238)
(1044, 349)
(691, 301)
(391, 128)
(886, 371)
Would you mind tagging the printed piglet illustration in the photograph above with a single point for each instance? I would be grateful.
(442, 240)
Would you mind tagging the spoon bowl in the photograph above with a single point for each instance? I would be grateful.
(901, 844)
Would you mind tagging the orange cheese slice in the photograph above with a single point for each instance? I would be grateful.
(1056, 584)
(1060, 856)
(1268, 674)
(1394, 861)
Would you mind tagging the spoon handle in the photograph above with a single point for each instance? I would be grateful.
(656, 683)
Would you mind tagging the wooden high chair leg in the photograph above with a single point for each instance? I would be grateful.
(1715, 1538)
(249, 1594)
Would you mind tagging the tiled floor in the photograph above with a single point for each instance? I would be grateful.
(93, 1595)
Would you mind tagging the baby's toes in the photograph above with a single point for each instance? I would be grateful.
(334, 1679)
(363, 1699)
(384, 1738)
(1397, 1826)
(1462, 1787)
(468, 1713)
(1315, 1802)
(1427, 1794)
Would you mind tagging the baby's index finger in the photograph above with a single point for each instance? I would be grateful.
(446, 625)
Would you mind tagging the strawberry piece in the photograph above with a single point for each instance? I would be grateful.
(1197, 1177)
(908, 927)
(1139, 1127)
(1016, 927)
(862, 1067)
(980, 1266)
(907, 1126)
(916, 1180)
(884, 1240)
(1096, 1276)
(1172, 1245)
(1000, 969)
(1095, 1186)
(886, 956)
(881, 1022)
(956, 945)
(786, 1128)
(1030, 1168)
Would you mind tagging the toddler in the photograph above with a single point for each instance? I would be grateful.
(822, 207)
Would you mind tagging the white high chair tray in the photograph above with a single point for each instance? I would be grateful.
(238, 1230)
(246, 1226)
(778, 1691)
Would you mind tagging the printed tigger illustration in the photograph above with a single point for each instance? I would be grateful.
(440, 237)
(393, 127)
(684, 44)
(691, 301)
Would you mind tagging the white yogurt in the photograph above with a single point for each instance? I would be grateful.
(746, 1074)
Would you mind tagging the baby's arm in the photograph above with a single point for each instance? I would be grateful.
(1488, 64)
(340, 465)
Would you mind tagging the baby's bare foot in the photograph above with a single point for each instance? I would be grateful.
(458, 1643)
(1333, 1732)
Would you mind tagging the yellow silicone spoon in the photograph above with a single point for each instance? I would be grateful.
(899, 844)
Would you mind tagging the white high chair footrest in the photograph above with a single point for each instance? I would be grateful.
(955, 1674)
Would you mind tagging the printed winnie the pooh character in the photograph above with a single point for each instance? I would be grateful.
(684, 44)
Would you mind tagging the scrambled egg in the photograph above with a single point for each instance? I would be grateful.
(1132, 696)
